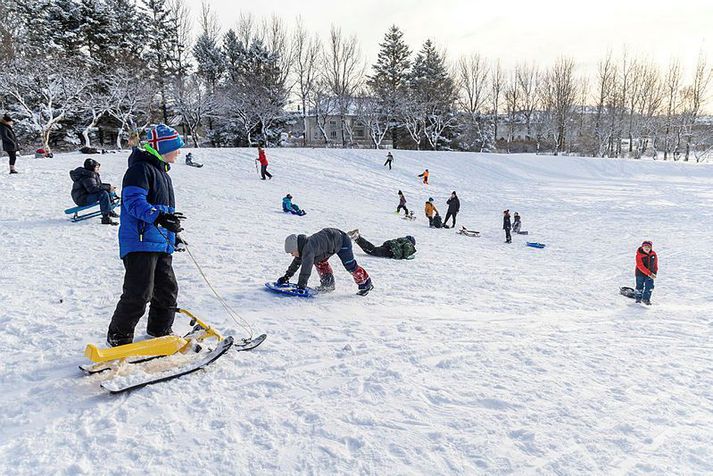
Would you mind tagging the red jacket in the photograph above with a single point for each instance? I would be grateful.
(646, 263)
(262, 157)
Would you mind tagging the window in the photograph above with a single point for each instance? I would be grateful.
(333, 134)
(333, 123)
(359, 132)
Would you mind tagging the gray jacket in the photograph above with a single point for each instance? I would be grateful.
(315, 249)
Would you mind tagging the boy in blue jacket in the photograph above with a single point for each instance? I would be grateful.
(147, 239)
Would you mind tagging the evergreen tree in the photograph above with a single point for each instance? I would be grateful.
(210, 63)
(390, 79)
(429, 81)
(156, 56)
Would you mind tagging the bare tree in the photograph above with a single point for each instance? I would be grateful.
(127, 100)
(344, 74)
(672, 84)
(497, 81)
(307, 54)
(324, 106)
(472, 80)
(694, 98)
(193, 103)
(512, 103)
(559, 96)
(373, 117)
(606, 79)
(527, 81)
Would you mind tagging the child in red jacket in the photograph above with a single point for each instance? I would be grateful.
(262, 158)
(647, 265)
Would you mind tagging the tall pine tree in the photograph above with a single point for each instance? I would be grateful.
(389, 81)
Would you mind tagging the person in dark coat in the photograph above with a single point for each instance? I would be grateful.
(87, 189)
(262, 158)
(389, 160)
(507, 226)
(398, 248)
(402, 203)
(147, 239)
(453, 209)
(647, 265)
(9, 141)
(315, 250)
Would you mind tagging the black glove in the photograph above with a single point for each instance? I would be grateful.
(170, 221)
(180, 244)
(283, 280)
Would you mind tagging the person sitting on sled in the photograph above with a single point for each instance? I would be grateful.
(315, 250)
(289, 207)
(516, 224)
(398, 248)
(189, 161)
(647, 265)
(88, 189)
(147, 239)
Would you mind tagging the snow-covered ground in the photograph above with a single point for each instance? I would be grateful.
(477, 357)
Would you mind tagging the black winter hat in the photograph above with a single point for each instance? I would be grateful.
(7, 118)
(91, 164)
(411, 239)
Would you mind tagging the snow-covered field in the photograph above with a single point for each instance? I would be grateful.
(477, 357)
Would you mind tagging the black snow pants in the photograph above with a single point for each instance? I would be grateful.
(400, 207)
(450, 214)
(508, 238)
(264, 173)
(149, 278)
(13, 157)
(380, 251)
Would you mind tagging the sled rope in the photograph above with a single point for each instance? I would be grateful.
(233, 315)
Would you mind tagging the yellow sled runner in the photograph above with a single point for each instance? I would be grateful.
(183, 355)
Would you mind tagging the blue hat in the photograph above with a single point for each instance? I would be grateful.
(164, 139)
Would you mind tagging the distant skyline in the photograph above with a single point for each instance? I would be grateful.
(513, 31)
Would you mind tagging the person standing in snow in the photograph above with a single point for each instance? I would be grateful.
(425, 177)
(453, 209)
(87, 189)
(262, 158)
(402, 203)
(315, 250)
(507, 226)
(9, 141)
(398, 248)
(389, 160)
(147, 239)
(647, 265)
(430, 210)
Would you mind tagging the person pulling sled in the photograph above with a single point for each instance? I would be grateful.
(315, 250)
(402, 204)
(148, 236)
(389, 160)
(262, 158)
(424, 175)
(453, 208)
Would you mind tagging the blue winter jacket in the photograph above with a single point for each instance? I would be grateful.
(286, 204)
(146, 191)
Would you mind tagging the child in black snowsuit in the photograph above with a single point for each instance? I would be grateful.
(507, 226)
(402, 203)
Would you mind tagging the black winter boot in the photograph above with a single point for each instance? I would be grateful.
(106, 220)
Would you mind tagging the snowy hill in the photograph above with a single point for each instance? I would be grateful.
(477, 357)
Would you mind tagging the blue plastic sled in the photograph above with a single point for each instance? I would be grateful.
(290, 290)
(535, 245)
(76, 210)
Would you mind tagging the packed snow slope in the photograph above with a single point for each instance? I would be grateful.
(476, 357)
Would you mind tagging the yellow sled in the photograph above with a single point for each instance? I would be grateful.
(159, 346)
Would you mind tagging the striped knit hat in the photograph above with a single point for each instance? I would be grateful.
(164, 139)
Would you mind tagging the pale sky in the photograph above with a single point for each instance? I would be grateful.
(511, 30)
